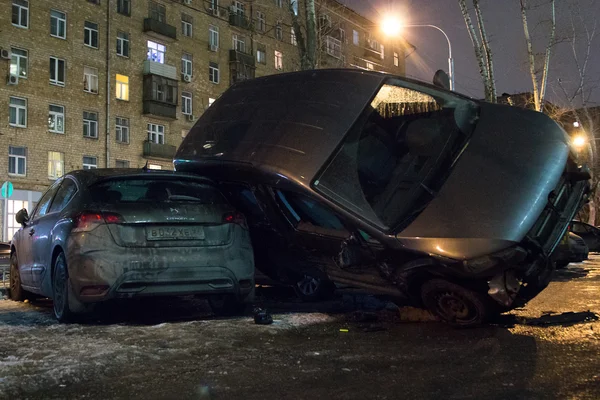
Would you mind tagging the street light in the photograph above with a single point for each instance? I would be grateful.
(391, 27)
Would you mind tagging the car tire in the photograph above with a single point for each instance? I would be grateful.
(16, 291)
(455, 304)
(310, 288)
(62, 292)
(227, 305)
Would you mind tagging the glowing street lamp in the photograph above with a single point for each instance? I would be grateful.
(579, 141)
(392, 26)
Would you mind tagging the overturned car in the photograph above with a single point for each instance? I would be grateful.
(393, 186)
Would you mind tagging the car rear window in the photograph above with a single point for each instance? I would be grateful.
(128, 190)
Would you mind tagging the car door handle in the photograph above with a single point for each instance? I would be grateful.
(31, 232)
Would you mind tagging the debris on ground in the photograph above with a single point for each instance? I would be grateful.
(262, 317)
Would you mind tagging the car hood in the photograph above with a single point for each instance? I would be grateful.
(497, 189)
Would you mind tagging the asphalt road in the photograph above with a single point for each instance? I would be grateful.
(175, 349)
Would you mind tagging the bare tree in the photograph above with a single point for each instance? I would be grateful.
(582, 41)
(482, 48)
(539, 88)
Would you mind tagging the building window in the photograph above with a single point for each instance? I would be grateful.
(261, 22)
(17, 160)
(97, 2)
(122, 130)
(90, 80)
(121, 164)
(334, 47)
(156, 133)
(213, 72)
(382, 52)
(123, 44)
(342, 35)
(239, 8)
(186, 25)
(154, 166)
(90, 125)
(279, 3)
(239, 43)
(18, 112)
(293, 39)
(396, 59)
(278, 31)
(90, 162)
(156, 52)
(122, 87)
(58, 24)
(186, 103)
(261, 53)
(56, 119)
(213, 37)
(20, 13)
(355, 37)
(124, 7)
(370, 66)
(57, 71)
(294, 6)
(90, 34)
(56, 164)
(186, 64)
(158, 12)
(18, 62)
(278, 60)
(210, 101)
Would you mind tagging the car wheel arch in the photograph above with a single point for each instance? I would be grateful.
(55, 252)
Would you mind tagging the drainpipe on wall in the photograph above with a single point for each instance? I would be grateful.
(108, 93)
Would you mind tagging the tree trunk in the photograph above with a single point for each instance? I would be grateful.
(477, 47)
(487, 52)
(592, 215)
(548, 53)
(536, 93)
(304, 65)
(311, 34)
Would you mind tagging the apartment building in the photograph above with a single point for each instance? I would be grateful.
(118, 83)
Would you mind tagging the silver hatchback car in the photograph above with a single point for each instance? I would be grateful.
(113, 233)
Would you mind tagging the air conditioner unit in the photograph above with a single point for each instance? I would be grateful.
(186, 77)
(5, 54)
(189, 117)
(12, 79)
(213, 47)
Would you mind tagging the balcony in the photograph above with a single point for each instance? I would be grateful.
(239, 20)
(240, 57)
(156, 150)
(158, 28)
(160, 109)
(156, 68)
(373, 51)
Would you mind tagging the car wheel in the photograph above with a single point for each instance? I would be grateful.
(455, 304)
(17, 293)
(227, 305)
(61, 291)
(311, 288)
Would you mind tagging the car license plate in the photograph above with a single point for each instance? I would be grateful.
(175, 233)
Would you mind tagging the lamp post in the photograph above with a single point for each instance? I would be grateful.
(392, 27)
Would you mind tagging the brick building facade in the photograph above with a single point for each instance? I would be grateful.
(117, 83)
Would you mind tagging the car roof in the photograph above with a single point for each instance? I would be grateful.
(91, 176)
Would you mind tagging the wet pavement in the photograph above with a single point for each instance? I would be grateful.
(342, 349)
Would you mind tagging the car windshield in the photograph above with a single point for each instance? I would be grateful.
(152, 190)
(398, 153)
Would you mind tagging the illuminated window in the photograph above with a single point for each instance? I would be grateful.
(122, 87)
(56, 164)
(278, 60)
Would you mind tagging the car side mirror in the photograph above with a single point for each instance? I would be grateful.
(22, 217)
(352, 253)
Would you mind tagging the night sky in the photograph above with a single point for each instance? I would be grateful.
(503, 23)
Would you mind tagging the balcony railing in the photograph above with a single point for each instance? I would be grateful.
(239, 20)
(160, 109)
(156, 150)
(156, 68)
(152, 25)
(241, 57)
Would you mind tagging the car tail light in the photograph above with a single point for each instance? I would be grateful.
(88, 221)
(235, 218)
